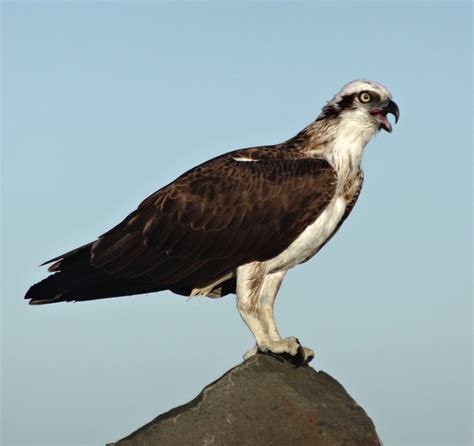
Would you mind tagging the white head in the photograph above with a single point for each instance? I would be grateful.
(349, 120)
(362, 103)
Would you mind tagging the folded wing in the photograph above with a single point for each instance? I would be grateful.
(196, 231)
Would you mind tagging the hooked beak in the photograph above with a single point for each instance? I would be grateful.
(380, 114)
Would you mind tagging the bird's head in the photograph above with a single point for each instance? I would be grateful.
(364, 103)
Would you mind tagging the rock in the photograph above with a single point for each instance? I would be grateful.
(263, 401)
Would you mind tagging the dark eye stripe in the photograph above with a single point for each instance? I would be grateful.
(346, 102)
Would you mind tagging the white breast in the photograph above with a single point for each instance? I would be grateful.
(344, 154)
(311, 239)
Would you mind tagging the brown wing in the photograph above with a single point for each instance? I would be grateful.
(215, 217)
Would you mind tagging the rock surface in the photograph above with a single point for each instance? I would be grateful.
(263, 401)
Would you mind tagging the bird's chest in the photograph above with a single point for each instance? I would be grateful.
(308, 243)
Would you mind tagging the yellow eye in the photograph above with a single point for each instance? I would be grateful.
(365, 97)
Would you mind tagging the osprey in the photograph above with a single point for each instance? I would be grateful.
(236, 223)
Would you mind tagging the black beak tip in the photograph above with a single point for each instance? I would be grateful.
(392, 108)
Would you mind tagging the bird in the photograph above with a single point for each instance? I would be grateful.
(236, 223)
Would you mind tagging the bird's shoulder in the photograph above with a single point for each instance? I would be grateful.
(249, 169)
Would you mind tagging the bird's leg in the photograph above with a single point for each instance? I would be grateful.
(268, 292)
(256, 293)
(250, 278)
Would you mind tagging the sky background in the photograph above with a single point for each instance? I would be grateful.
(103, 103)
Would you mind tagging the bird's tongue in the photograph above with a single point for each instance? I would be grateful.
(381, 117)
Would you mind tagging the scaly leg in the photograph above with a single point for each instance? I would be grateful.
(268, 293)
(256, 293)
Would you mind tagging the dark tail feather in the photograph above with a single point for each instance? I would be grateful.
(76, 280)
(67, 286)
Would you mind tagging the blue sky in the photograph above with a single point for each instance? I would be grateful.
(103, 103)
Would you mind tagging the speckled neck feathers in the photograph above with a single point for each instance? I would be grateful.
(337, 137)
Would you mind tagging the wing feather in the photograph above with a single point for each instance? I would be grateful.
(197, 230)
(216, 217)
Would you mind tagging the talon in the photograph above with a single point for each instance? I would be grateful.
(300, 353)
(288, 349)
(278, 356)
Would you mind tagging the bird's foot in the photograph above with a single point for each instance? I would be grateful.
(288, 349)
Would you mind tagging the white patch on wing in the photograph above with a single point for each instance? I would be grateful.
(311, 239)
(241, 158)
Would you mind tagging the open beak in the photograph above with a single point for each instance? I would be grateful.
(380, 114)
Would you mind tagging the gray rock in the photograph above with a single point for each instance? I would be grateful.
(263, 401)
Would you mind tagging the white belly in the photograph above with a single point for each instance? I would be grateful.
(310, 240)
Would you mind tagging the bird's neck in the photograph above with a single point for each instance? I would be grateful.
(348, 145)
(340, 141)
